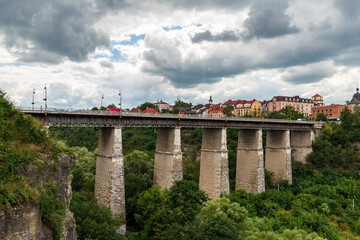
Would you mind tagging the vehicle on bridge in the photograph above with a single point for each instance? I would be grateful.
(113, 110)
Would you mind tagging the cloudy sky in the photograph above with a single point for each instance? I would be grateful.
(177, 48)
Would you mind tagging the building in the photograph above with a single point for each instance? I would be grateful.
(318, 100)
(135, 110)
(245, 107)
(265, 105)
(216, 111)
(151, 111)
(303, 105)
(355, 99)
(162, 105)
(199, 109)
(330, 111)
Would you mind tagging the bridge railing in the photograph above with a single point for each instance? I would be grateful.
(159, 115)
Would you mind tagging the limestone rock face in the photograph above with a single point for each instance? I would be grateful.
(24, 221)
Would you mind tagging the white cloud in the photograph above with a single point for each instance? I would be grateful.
(321, 56)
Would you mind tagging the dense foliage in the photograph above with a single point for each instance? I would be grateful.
(22, 140)
(288, 112)
(336, 147)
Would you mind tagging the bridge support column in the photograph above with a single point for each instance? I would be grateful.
(109, 179)
(168, 157)
(301, 145)
(250, 161)
(214, 171)
(278, 154)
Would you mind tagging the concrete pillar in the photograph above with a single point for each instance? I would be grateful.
(109, 179)
(250, 161)
(301, 145)
(214, 171)
(168, 157)
(278, 154)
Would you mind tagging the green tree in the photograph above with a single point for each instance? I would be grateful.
(291, 113)
(286, 113)
(180, 103)
(111, 106)
(147, 104)
(321, 117)
(228, 111)
(158, 209)
(84, 172)
(93, 221)
(138, 168)
(346, 119)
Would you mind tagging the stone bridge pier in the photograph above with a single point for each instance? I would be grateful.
(109, 179)
(278, 154)
(301, 145)
(214, 172)
(250, 161)
(168, 157)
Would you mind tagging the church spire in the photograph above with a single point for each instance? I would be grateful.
(210, 101)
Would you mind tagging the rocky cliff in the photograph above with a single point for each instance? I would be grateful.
(30, 220)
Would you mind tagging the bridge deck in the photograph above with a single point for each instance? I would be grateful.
(111, 119)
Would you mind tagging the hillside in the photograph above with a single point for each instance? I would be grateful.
(35, 183)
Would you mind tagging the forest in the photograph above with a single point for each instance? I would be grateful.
(322, 202)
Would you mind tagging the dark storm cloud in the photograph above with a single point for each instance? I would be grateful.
(304, 78)
(49, 31)
(268, 19)
(350, 9)
(309, 73)
(208, 4)
(166, 60)
(226, 36)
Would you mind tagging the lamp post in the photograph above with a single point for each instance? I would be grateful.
(120, 100)
(33, 99)
(102, 97)
(45, 99)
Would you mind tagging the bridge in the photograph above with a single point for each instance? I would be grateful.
(285, 140)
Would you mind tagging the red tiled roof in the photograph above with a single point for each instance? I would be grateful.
(150, 110)
(136, 110)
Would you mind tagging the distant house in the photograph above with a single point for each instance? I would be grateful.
(318, 100)
(303, 105)
(245, 107)
(265, 106)
(199, 109)
(216, 111)
(162, 105)
(135, 110)
(151, 111)
(330, 111)
(355, 100)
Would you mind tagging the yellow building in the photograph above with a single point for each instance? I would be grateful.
(318, 100)
(245, 107)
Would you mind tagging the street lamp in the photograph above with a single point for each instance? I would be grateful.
(102, 97)
(120, 100)
(45, 99)
(33, 99)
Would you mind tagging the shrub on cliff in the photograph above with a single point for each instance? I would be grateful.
(26, 151)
